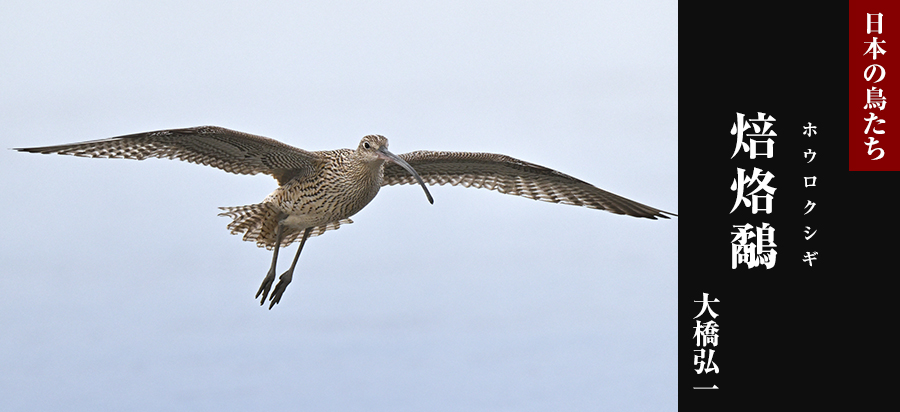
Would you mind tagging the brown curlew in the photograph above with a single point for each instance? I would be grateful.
(319, 191)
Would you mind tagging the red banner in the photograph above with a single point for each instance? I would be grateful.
(874, 71)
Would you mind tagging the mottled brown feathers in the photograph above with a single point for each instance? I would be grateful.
(513, 177)
(336, 184)
(229, 150)
(257, 224)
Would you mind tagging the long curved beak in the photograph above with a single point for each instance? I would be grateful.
(386, 155)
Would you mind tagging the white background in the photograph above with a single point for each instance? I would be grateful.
(122, 290)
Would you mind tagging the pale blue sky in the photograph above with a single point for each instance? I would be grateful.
(123, 290)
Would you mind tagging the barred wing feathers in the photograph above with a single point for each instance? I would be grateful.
(229, 150)
(513, 177)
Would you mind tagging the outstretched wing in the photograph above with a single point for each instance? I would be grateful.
(513, 177)
(229, 150)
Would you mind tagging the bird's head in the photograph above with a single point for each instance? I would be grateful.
(370, 148)
(374, 148)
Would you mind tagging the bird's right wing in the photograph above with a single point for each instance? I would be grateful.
(513, 177)
(229, 150)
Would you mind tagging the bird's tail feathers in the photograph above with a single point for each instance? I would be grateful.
(259, 222)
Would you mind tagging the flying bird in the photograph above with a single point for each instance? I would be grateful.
(319, 190)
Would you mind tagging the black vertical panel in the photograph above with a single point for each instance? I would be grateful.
(779, 328)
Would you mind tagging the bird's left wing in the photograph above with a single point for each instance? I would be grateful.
(229, 150)
(513, 177)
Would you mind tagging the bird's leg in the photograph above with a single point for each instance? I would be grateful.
(270, 277)
(285, 277)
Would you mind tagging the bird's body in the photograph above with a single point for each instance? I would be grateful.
(338, 188)
(319, 191)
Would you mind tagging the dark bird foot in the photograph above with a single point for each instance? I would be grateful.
(266, 285)
(283, 283)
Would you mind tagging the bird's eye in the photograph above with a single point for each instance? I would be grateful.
(366, 145)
